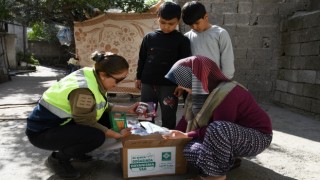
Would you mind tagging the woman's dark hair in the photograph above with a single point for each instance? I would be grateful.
(169, 10)
(192, 12)
(109, 63)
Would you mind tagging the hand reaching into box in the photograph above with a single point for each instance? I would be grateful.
(175, 134)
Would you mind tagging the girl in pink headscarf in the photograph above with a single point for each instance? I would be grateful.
(221, 116)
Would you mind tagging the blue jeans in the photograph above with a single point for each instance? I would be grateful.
(164, 96)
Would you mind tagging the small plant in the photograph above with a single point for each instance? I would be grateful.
(28, 58)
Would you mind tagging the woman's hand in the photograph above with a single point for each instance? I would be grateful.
(125, 132)
(175, 134)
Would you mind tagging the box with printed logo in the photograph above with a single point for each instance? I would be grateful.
(152, 155)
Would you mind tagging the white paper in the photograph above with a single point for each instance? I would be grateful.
(153, 128)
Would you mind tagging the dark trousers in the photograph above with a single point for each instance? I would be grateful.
(167, 100)
(71, 140)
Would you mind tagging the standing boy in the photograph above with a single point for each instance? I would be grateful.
(159, 51)
(206, 39)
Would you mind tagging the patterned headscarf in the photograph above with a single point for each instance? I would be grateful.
(198, 73)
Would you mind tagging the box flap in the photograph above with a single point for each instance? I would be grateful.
(152, 136)
(152, 140)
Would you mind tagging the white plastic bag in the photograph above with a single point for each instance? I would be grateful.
(64, 36)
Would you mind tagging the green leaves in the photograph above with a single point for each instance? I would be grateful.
(43, 32)
(5, 10)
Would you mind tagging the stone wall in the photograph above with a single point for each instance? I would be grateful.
(254, 28)
(276, 45)
(298, 83)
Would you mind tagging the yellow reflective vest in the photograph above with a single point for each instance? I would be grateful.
(55, 99)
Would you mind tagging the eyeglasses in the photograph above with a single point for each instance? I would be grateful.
(117, 80)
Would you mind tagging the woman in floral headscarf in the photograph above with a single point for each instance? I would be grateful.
(221, 116)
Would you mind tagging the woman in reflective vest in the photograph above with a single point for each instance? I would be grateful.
(71, 118)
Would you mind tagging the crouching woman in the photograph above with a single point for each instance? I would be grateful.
(71, 118)
(221, 116)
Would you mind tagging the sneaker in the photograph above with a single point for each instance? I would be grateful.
(63, 169)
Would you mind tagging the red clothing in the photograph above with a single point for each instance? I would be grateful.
(239, 107)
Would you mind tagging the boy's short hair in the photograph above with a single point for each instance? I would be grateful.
(192, 12)
(169, 10)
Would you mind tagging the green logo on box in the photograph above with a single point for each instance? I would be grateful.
(166, 156)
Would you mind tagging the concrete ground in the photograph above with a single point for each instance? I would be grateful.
(293, 154)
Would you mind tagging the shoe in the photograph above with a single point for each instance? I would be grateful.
(62, 168)
(83, 158)
(236, 164)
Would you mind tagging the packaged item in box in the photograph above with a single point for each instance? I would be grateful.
(118, 121)
(136, 127)
(146, 111)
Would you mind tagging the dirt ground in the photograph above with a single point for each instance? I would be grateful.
(293, 154)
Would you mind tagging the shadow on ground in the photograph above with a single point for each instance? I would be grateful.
(288, 122)
(106, 165)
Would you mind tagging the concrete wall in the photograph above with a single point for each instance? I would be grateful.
(4, 64)
(7, 55)
(11, 41)
(298, 83)
(20, 34)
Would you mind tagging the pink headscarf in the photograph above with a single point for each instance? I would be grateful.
(198, 73)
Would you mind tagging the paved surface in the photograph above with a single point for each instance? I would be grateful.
(293, 154)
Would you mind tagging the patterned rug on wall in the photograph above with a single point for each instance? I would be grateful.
(120, 33)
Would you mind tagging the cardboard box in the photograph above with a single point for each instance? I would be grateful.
(152, 155)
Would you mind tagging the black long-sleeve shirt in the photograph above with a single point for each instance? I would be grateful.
(158, 52)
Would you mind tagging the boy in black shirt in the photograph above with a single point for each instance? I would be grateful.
(159, 51)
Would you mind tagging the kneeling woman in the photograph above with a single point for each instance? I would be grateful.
(221, 116)
(71, 117)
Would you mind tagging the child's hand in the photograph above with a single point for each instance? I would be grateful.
(178, 91)
(138, 84)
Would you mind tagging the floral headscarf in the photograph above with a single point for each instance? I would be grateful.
(198, 73)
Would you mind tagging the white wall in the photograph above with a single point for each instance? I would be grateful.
(18, 30)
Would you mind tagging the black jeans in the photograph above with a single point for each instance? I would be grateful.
(71, 140)
(164, 95)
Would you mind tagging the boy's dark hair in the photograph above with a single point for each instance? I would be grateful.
(169, 10)
(192, 12)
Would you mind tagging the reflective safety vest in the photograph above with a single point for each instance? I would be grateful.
(55, 99)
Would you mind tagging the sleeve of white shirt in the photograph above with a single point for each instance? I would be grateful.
(227, 56)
